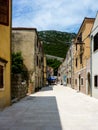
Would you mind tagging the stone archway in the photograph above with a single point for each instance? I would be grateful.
(88, 82)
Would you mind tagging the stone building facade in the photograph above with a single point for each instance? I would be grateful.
(81, 55)
(26, 41)
(66, 69)
(39, 65)
(62, 74)
(69, 67)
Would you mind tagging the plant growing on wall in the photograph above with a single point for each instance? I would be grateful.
(17, 63)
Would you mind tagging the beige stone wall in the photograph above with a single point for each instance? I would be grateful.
(19, 88)
(24, 41)
(77, 86)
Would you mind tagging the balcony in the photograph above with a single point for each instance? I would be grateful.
(79, 39)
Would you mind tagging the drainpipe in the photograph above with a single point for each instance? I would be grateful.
(91, 65)
(71, 66)
(72, 80)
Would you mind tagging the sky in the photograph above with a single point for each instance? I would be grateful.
(60, 15)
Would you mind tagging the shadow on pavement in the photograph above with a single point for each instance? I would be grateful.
(32, 113)
(42, 113)
(47, 88)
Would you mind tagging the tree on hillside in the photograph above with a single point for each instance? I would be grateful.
(54, 63)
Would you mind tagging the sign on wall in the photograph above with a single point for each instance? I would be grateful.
(4, 12)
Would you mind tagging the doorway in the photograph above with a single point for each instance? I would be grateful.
(79, 82)
(89, 87)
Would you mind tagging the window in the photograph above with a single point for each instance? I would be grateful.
(3, 63)
(39, 63)
(1, 76)
(76, 62)
(81, 58)
(4, 12)
(76, 47)
(96, 42)
(81, 81)
(37, 60)
(75, 81)
(96, 80)
(41, 59)
(67, 80)
(70, 80)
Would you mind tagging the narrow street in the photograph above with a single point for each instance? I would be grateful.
(53, 108)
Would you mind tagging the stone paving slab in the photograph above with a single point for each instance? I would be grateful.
(53, 108)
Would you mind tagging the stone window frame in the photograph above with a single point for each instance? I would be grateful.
(3, 65)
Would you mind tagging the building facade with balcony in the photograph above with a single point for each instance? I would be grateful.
(5, 53)
(82, 55)
(69, 66)
(39, 65)
(66, 69)
(94, 58)
(26, 41)
(62, 73)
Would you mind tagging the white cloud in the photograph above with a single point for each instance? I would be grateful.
(52, 14)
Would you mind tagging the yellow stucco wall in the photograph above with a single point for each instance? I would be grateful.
(5, 53)
(85, 29)
(80, 73)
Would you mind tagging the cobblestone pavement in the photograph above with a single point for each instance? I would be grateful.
(53, 108)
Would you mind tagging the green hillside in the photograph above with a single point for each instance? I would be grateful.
(56, 43)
